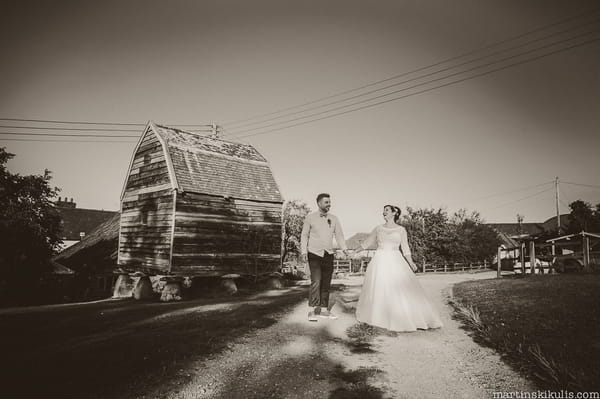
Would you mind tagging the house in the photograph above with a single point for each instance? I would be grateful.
(354, 242)
(513, 235)
(76, 223)
(195, 205)
(506, 241)
(525, 231)
(94, 259)
(518, 231)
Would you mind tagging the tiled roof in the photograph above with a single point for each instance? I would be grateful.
(512, 229)
(209, 165)
(508, 242)
(77, 220)
(100, 245)
(57, 268)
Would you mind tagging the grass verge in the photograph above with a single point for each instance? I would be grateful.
(545, 326)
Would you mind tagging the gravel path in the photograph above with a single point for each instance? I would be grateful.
(295, 358)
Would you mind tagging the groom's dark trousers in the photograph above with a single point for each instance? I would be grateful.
(321, 270)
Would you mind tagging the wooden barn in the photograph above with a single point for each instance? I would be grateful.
(197, 205)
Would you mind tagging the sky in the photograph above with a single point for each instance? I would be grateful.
(493, 143)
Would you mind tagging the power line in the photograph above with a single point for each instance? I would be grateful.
(91, 123)
(72, 122)
(521, 199)
(421, 91)
(581, 184)
(512, 191)
(70, 129)
(80, 129)
(75, 135)
(564, 204)
(342, 100)
(514, 38)
(563, 193)
(415, 86)
(71, 141)
(68, 135)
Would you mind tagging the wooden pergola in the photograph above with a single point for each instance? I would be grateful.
(585, 237)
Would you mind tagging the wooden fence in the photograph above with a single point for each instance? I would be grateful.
(455, 267)
(342, 266)
(360, 266)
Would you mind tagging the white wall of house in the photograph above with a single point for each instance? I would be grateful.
(67, 243)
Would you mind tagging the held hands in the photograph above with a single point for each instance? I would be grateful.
(411, 263)
(347, 252)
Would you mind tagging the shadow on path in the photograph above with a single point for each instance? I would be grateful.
(121, 347)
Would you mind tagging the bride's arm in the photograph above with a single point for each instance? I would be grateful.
(406, 250)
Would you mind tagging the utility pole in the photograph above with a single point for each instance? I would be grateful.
(557, 201)
(216, 129)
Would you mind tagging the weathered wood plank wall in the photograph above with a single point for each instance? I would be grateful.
(216, 236)
(147, 210)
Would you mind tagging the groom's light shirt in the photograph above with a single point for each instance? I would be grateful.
(318, 232)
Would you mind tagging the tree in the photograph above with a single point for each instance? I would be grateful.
(434, 237)
(520, 219)
(294, 213)
(429, 234)
(583, 217)
(29, 224)
(474, 239)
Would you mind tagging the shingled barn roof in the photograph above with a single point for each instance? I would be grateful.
(209, 165)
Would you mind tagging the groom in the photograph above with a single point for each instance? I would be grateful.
(316, 247)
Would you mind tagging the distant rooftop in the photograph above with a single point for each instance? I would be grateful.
(78, 222)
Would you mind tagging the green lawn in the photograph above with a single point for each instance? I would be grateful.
(560, 314)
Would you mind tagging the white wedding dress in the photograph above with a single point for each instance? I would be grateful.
(391, 295)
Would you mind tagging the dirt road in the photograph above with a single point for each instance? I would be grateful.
(294, 358)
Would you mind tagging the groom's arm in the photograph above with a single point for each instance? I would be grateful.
(304, 237)
(339, 236)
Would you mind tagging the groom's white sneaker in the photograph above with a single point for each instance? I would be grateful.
(326, 314)
(312, 316)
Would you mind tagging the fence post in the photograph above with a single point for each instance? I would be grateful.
(424, 267)
(551, 268)
(445, 267)
(586, 253)
(485, 264)
(522, 258)
(532, 257)
(499, 262)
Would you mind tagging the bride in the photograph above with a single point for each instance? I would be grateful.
(391, 295)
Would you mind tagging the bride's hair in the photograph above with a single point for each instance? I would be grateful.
(396, 210)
